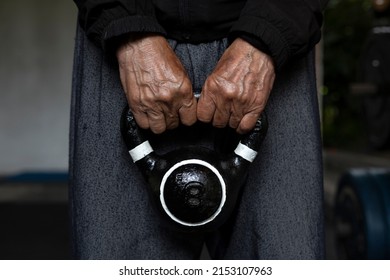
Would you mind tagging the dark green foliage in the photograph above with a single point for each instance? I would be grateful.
(347, 23)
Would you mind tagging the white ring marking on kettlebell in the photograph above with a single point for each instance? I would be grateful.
(245, 152)
(185, 162)
(141, 151)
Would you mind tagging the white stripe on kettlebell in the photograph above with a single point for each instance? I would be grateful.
(141, 151)
(245, 152)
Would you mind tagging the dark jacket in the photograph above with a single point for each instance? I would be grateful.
(282, 28)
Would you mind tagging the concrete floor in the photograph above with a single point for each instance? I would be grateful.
(34, 217)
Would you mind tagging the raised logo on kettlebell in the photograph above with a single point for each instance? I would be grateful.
(198, 197)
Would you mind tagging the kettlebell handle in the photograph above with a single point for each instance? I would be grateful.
(250, 143)
(139, 146)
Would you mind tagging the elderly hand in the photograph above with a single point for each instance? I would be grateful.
(237, 91)
(157, 87)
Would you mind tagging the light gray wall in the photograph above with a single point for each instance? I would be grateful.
(36, 56)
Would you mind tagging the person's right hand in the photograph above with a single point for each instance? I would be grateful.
(158, 90)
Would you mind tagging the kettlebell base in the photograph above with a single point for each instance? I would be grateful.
(203, 207)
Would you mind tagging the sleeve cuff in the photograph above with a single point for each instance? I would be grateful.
(130, 24)
(106, 33)
(254, 41)
(263, 36)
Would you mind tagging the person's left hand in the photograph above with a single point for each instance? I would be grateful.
(237, 91)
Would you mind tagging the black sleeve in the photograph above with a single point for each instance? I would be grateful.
(103, 20)
(282, 28)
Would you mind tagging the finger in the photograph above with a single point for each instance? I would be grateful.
(187, 113)
(157, 122)
(247, 123)
(235, 120)
(205, 108)
(171, 120)
(141, 118)
(222, 115)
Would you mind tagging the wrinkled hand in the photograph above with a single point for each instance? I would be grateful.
(237, 91)
(157, 87)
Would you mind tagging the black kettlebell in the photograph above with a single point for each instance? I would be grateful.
(193, 188)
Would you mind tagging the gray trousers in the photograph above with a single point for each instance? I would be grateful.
(279, 214)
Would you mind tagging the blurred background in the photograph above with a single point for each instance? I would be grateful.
(36, 57)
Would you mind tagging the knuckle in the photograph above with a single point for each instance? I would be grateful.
(212, 85)
(185, 88)
(225, 88)
(230, 93)
(165, 96)
(247, 126)
(212, 82)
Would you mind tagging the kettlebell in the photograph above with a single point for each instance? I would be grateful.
(193, 188)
